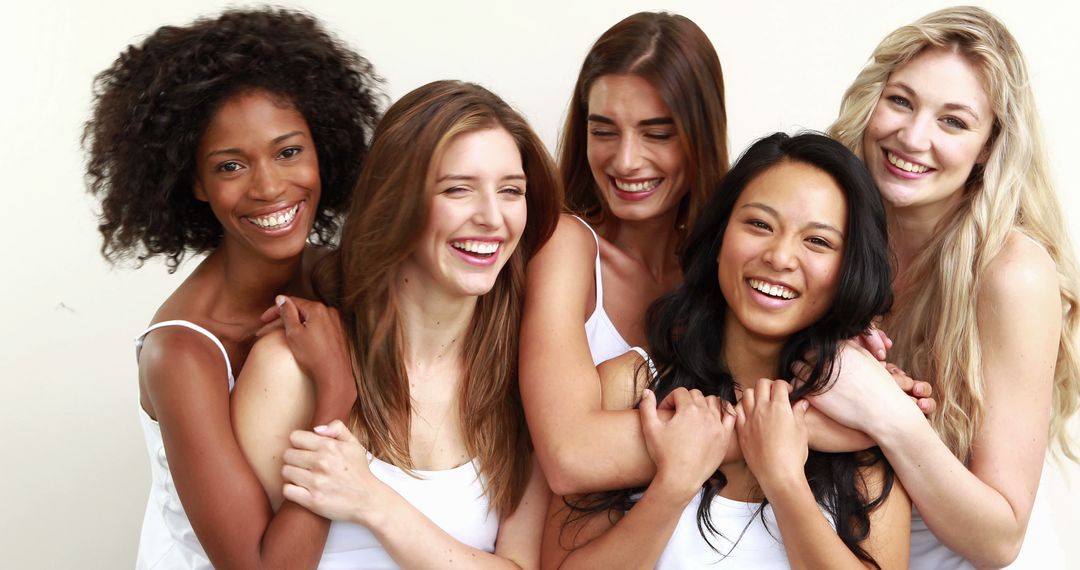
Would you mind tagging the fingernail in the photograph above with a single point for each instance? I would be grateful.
(881, 353)
(280, 300)
(320, 429)
(728, 407)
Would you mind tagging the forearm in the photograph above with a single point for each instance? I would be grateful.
(972, 518)
(592, 451)
(413, 541)
(809, 540)
(294, 538)
(332, 402)
(640, 536)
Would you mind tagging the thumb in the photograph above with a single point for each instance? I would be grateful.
(335, 429)
(647, 409)
(289, 312)
(800, 408)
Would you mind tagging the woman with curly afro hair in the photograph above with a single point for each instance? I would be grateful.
(241, 137)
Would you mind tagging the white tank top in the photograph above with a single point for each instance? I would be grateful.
(605, 342)
(744, 541)
(167, 540)
(453, 499)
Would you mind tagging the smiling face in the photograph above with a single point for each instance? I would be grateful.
(477, 213)
(257, 168)
(928, 131)
(779, 264)
(634, 149)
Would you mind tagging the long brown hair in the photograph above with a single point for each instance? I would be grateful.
(673, 54)
(389, 206)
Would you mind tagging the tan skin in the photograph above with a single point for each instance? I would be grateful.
(775, 234)
(256, 158)
(632, 140)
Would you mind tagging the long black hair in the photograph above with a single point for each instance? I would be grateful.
(686, 343)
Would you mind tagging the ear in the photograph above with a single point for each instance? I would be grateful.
(200, 192)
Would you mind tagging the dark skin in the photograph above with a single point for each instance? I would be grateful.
(182, 375)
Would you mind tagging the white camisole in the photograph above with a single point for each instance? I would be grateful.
(167, 540)
(605, 342)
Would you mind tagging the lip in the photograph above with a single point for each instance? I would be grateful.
(473, 259)
(301, 206)
(766, 300)
(635, 196)
(899, 172)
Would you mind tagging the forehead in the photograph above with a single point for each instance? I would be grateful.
(944, 76)
(254, 114)
(486, 152)
(626, 97)
(799, 193)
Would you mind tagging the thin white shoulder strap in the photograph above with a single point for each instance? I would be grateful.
(198, 329)
(648, 361)
(599, 279)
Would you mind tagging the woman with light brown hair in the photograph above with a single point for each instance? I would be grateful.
(986, 284)
(427, 283)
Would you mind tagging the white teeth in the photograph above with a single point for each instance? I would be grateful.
(773, 290)
(481, 247)
(905, 165)
(277, 219)
(637, 186)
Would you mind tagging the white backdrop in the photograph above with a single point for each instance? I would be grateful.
(74, 473)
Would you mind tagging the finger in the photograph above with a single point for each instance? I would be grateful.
(337, 430)
(747, 401)
(272, 326)
(764, 390)
(296, 494)
(668, 403)
(800, 408)
(650, 422)
(926, 405)
(781, 391)
(299, 458)
(296, 476)
(873, 343)
(740, 414)
(270, 314)
(290, 314)
(922, 389)
(302, 439)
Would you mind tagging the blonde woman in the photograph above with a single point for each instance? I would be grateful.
(945, 120)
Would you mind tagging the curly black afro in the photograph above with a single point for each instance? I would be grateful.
(152, 106)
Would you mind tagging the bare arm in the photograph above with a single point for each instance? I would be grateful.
(980, 510)
(328, 474)
(687, 448)
(560, 387)
(184, 376)
(773, 438)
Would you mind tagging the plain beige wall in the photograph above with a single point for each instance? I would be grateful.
(74, 473)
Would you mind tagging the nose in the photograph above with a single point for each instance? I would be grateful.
(915, 134)
(267, 183)
(781, 255)
(488, 211)
(628, 155)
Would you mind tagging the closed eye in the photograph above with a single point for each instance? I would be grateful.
(512, 190)
(759, 224)
(820, 242)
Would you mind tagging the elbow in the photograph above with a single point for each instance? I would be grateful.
(1000, 555)
(562, 471)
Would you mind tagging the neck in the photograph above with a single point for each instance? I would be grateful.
(652, 242)
(249, 283)
(433, 325)
(749, 357)
(912, 228)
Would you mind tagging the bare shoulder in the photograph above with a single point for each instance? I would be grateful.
(270, 362)
(561, 277)
(176, 351)
(1022, 271)
(622, 379)
(571, 242)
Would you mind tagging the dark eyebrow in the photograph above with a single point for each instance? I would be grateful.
(772, 211)
(277, 140)
(951, 106)
(593, 118)
(466, 177)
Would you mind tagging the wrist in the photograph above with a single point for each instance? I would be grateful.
(674, 489)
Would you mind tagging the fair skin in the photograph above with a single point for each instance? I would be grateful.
(256, 168)
(979, 509)
(787, 228)
(632, 145)
(477, 214)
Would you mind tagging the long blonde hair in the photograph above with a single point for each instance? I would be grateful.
(389, 206)
(934, 326)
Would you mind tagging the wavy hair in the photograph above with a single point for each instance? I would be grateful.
(379, 234)
(935, 328)
(673, 54)
(152, 106)
(687, 346)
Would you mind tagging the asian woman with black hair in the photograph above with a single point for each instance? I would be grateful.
(788, 259)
